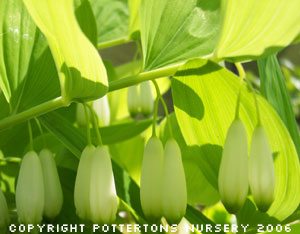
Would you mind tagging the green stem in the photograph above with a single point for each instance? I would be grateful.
(155, 117)
(238, 100)
(32, 112)
(60, 102)
(88, 130)
(256, 103)
(164, 105)
(96, 125)
(10, 159)
(107, 44)
(144, 76)
(42, 132)
(30, 136)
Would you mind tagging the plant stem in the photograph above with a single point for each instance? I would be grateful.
(107, 44)
(144, 76)
(42, 132)
(30, 136)
(256, 103)
(238, 100)
(96, 125)
(165, 107)
(155, 117)
(32, 112)
(60, 102)
(88, 130)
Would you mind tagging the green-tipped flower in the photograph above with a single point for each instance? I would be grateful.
(133, 100)
(82, 183)
(261, 170)
(53, 190)
(233, 173)
(101, 107)
(151, 179)
(30, 190)
(80, 115)
(174, 194)
(4, 214)
(103, 196)
(95, 192)
(146, 98)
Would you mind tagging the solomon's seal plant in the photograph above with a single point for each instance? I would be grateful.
(233, 174)
(151, 179)
(4, 215)
(52, 187)
(174, 194)
(95, 193)
(133, 101)
(30, 190)
(146, 99)
(75, 65)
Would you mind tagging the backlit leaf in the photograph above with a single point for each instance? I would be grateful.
(254, 28)
(204, 99)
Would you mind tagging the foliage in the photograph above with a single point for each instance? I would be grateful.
(49, 61)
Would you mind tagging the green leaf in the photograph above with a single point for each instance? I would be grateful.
(17, 39)
(112, 19)
(175, 31)
(204, 98)
(58, 125)
(253, 28)
(86, 19)
(134, 19)
(273, 88)
(4, 83)
(81, 70)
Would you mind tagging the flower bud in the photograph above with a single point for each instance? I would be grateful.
(52, 186)
(233, 173)
(30, 190)
(133, 100)
(174, 192)
(82, 183)
(101, 107)
(4, 214)
(262, 178)
(80, 115)
(103, 196)
(151, 179)
(146, 98)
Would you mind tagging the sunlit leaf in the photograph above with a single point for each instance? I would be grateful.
(81, 70)
(112, 19)
(175, 31)
(204, 99)
(254, 28)
(273, 88)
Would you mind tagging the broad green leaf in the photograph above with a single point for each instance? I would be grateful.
(252, 28)
(134, 19)
(273, 88)
(199, 190)
(86, 20)
(4, 83)
(175, 31)
(81, 70)
(57, 124)
(204, 98)
(112, 19)
(17, 32)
